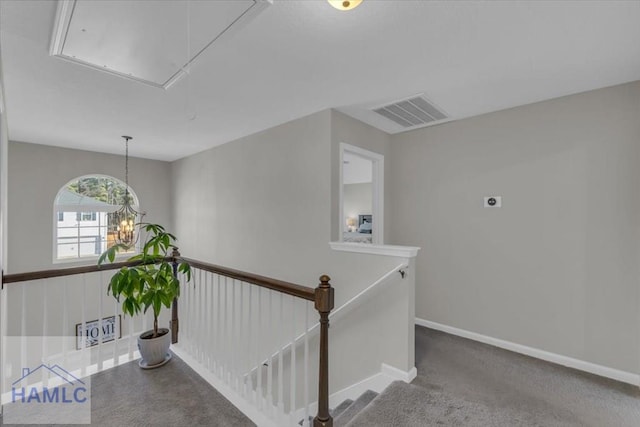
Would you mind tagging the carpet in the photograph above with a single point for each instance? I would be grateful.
(469, 384)
(407, 405)
(172, 396)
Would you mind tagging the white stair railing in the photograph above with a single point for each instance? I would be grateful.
(245, 336)
(258, 341)
(44, 319)
(242, 329)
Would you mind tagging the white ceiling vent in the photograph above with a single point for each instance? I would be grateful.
(153, 42)
(414, 112)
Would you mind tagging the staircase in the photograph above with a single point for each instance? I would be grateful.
(408, 405)
(349, 409)
(372, 409)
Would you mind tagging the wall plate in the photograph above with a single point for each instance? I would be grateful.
(493, 201)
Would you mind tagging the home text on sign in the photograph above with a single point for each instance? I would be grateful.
(97, 331)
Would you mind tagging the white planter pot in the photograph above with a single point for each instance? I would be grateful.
(154, 351)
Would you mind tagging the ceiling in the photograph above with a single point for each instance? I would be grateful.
(298, 57)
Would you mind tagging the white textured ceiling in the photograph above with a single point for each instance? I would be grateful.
(299, 57)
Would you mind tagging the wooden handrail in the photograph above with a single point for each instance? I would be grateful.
(288, 288)
(59, 272)
(263, 281)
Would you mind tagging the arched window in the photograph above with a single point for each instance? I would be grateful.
(82, 216)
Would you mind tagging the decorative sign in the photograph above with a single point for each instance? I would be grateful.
(96, 331)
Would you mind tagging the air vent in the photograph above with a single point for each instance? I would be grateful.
(412, 112)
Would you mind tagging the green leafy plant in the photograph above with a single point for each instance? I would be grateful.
(150, 282)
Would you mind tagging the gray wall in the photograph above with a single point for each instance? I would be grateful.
(557, 267)
(263, 204)
(260, 197)
(4, 142)
(345, 129)
(4, 147)
(37, 172)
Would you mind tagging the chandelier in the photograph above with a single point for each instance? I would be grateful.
(126, 220)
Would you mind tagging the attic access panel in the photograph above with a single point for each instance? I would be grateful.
(147, 41)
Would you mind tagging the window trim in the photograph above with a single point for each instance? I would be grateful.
(90, 259)
(377, 191)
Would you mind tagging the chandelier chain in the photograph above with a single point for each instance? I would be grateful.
(127, 219)
(126, 169)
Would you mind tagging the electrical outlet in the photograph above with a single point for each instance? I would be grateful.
(493, 201)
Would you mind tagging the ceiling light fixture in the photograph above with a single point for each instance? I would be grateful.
(125, 223)
(345, 4)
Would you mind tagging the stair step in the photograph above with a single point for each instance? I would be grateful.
(341, 408)
(334, 412)
(353, 409)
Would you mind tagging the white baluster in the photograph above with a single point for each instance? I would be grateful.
(242, 342)
(116, 331)
(193, 318)
(196, 317)
(225, 331)
(45, 356)
(23, 326)
(270, 362)
(100, 321)
(306, 365)
(292, 403)
(187, 317)
(83, 322)
(219, 340)
(280, 339)
(190, 323)
(259, 341)
(65, 321)
(216, 316)
(232, 342)
(206, 335)
(250, 346)
(209, 308)
(183, 310)
(131, 334)
(201, 312)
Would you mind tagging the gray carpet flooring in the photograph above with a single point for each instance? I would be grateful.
(460, 383)
(465, 383)
(173, 396)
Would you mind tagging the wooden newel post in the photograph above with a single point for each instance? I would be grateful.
(324, 305)
(174, 307)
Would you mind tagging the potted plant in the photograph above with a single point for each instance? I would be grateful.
(148, 283)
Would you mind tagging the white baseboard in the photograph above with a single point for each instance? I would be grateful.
(399, 374)
(246, 408)
(592, 368)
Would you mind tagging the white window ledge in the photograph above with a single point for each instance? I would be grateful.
(365, 248)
